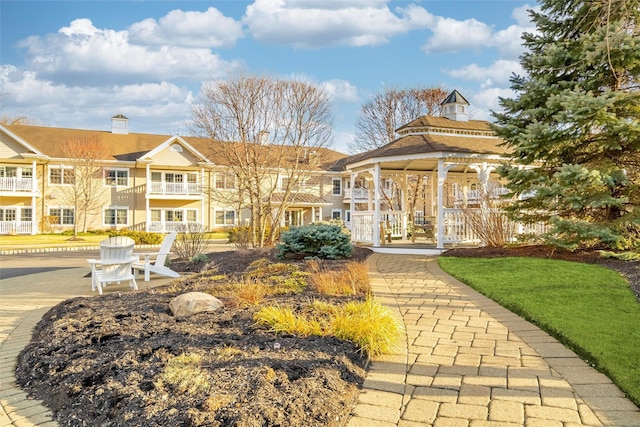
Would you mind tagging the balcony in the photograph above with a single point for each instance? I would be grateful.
(176, 189)
(14, 184)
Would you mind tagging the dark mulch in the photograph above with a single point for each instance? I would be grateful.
(99, 361)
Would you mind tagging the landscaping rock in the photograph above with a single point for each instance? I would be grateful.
(194, 302)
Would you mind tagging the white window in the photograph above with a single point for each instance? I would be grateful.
(336, 186)
(116, 177)
(225, 181)
(62, 216)
(336, 213)
(192, 215)
(224, 217)
(61, 175)
(347, 215)
(8, 172)
(115, 216)
(8, 214)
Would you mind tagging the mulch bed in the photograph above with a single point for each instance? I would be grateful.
(99, 361)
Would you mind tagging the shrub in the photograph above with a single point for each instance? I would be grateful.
(326, 241)
(140, 237)
(199, 258)
(191, 240)
(240, 236)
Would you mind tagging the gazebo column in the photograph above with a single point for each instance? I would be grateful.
(405, 204)
(376, 208)
(352, 202)
(442, 176)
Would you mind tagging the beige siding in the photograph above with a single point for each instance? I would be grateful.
(170, 157)
(10, 149)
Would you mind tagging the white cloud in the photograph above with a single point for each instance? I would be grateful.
(341, 91)
(486, 101)
(191, 29)
(162, 107)
(450, 35)
(83, 54)
(329, 23)
(497, 74)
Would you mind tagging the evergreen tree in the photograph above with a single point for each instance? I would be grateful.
(574, 125)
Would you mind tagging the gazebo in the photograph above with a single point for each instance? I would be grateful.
(425, 177)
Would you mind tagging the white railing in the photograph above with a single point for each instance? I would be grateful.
(176, 188)
(17, 184)
(357, 193)
(396, 222)
(362, 226)
(168, 226)
(474, 196)
(456, 230)
(362, 194)
(16, 227)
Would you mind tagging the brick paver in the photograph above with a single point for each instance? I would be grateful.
(472, 363)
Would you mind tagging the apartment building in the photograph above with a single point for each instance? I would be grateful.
(156, 182)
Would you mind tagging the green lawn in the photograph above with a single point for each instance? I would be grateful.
(589, 308)
(50, 240)
(62, 240)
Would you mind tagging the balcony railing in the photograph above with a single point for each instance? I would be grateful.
(169, 226)
(16, 227)
(176, 188)
(362, 194)
(17, 184)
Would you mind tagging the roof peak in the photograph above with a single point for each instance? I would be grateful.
(455, 98)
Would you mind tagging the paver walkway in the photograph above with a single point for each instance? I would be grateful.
(465, 360)
(469, 362)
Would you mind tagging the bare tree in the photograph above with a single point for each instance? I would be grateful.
(269, 134)
(85, 179)
(388, 110)
(382, 115)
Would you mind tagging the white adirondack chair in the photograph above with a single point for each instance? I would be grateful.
(158, 264)
(115, 264)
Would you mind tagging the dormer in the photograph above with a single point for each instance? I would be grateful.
(119, 125)
(455, 107)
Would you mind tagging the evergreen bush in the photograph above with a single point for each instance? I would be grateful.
(318, 240)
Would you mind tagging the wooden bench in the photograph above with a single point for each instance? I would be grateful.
(385, 232)
(423, 229)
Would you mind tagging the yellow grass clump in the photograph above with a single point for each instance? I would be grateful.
(368, 324)
(352, 280)
(184, 374)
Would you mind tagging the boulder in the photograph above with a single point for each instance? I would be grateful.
(193, 302)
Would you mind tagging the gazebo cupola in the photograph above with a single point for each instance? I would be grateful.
(456, 107)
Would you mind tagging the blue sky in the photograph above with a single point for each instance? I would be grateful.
(78, 63)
